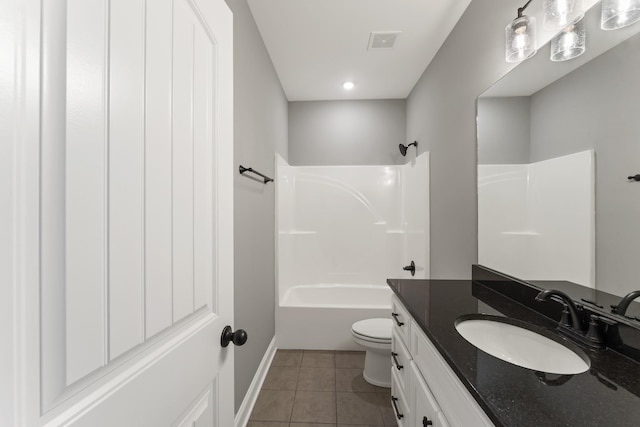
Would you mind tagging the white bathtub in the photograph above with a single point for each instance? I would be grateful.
(319, 317)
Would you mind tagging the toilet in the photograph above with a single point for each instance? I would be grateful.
(375, 336)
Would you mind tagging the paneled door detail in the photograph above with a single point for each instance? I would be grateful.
(118, 212)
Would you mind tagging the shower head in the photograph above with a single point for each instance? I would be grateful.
(403, 148)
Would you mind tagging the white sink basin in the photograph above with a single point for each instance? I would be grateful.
(512, 341)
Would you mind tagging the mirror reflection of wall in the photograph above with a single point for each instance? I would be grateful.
(595, 108)
(504, 130)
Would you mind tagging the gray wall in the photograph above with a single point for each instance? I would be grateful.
(347, 132)
(596, 107)
(441, 115)
(260, 126)
(503, 130)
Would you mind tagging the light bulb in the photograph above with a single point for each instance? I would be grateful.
(520, 42)
(569, 40)
(569, 43)
(520, 39)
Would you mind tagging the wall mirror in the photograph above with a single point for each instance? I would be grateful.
(557, 142)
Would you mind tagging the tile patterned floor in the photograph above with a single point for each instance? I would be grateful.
(320, 389)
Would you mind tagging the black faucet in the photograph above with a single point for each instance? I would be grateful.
(570, 324)
(569, 308)
(622, 306)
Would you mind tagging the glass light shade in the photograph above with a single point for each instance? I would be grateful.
(560, 13)
(569, 43)
(619, 13)
(521, 39)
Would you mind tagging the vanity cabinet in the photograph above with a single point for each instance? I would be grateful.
(424, 389)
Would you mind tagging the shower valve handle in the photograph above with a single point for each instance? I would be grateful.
(411, 267)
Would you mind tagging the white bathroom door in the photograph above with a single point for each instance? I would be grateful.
(116, 213)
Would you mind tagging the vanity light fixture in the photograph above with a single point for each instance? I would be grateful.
(520, 37)
(348, 85)
(569, 43)
(559, 14)
(619, 13)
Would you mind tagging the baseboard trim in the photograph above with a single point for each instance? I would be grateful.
(249, 401)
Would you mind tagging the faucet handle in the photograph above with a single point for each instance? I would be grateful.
(565, 320)
(597, 328)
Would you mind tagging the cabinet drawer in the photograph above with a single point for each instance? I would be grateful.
(455, 401)
(399, 403)
(401, 320)
(426, 410)
(400, 358)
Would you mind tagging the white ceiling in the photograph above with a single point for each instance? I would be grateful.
(316, 45)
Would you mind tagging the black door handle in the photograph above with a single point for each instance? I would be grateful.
(411, 267)
(238, 337)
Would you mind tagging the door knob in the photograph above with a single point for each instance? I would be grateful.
(238, 337)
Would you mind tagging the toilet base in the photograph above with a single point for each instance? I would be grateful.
(377, 367)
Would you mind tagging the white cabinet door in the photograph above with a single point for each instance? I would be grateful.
(116, 221)
(426, 412)
(401, 404)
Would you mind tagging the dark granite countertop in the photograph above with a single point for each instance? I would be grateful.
(606, 395)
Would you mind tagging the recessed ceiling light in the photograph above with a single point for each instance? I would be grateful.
(348, 85)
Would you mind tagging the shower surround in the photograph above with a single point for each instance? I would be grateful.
(342, 231)
(537, 221)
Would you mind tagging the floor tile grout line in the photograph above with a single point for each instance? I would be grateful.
(335, 387)
(295, 392)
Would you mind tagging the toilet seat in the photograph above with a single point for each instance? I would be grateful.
(373, 330)
(360, 339)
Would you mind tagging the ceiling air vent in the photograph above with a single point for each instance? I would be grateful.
(383, 40)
